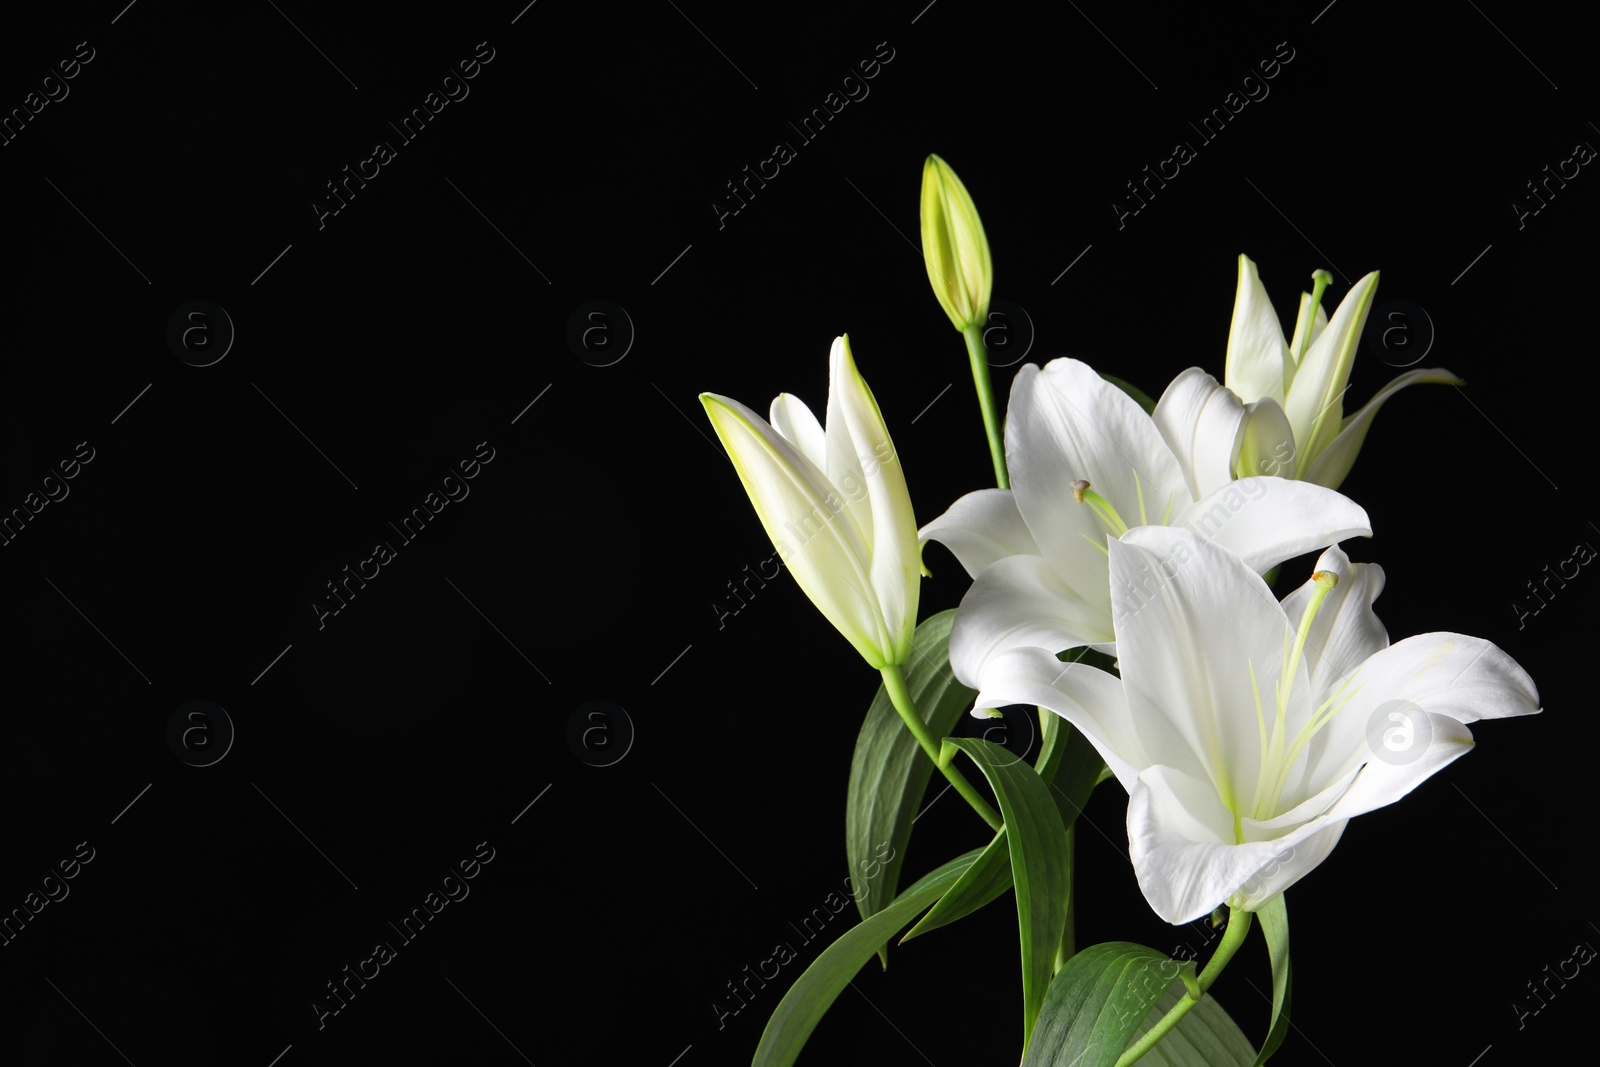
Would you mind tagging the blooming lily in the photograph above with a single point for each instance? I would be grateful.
(1086, 463)
(835, 504)
(1247, 732)
(1294, 391)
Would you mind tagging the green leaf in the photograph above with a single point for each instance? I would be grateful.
(1134, 391)
(1206, 1037)
(1274, 918)
(889, 773)
(1037, 841)
(1096, 1004)
(813, 993)
(1077, 769)
(983, 882)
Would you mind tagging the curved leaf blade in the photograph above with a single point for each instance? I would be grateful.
(1037, 842)
(889, 774)
(1274, 917)
(813, 993)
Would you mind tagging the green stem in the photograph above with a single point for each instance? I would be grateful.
(1232, 938)
(991, 418)
(894, 682)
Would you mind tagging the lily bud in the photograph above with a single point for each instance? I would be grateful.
(834, 503)
(954, 248)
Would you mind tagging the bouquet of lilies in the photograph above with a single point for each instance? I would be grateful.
(1122, 583)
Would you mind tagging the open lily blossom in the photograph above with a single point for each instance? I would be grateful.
(1294, 391)
(835, 504)
(1248, 732)
(1087, 464)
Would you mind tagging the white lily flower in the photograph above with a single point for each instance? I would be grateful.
(1248, 732)
(1294, 391)
(1037, 551)
(835, 504)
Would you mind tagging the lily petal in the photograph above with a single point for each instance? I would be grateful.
(816, 537)
(1332, 464)
(793, 419)
(863, 464)
(982, 528)
(1022, 601)
(1201, 421)
(1450, 679)
(1268, 520)
(1066, 423)
(1345, 632)
(1194, 682)
(1266, 443)
(1090, 699)
(1314, 404)
(1258, 360)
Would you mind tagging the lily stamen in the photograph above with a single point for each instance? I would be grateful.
(1102, 507)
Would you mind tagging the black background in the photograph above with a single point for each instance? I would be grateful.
(376, 351)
